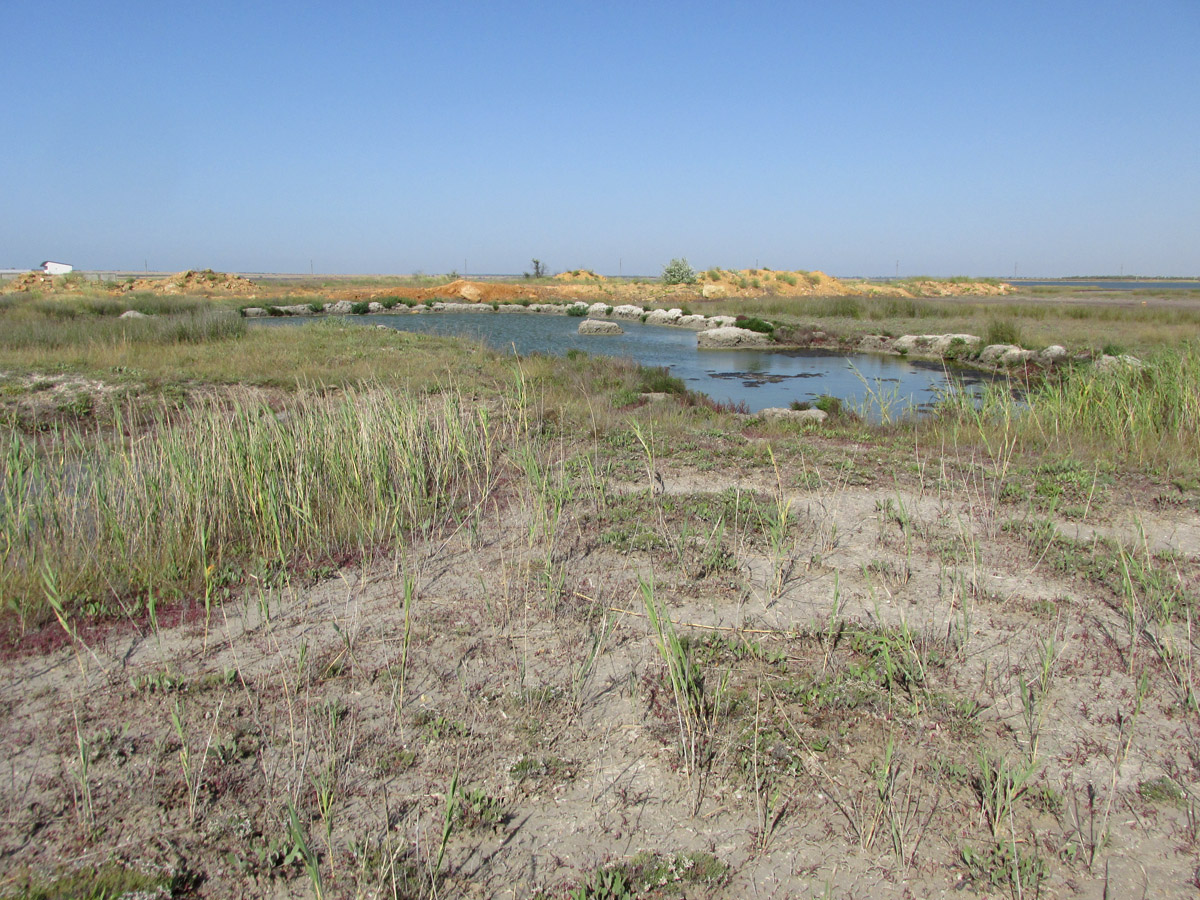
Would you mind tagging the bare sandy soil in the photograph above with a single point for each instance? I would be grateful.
(913, 674)
(581, 284)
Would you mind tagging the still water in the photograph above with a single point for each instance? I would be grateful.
(758, 378)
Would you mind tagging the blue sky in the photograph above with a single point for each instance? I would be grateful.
(946, 138)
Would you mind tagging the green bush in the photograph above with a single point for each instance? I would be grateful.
(317, 306)
(754, 324)
(1003, 331)
(677, 271)
(577, 311)
(659, 380)
(361, 308)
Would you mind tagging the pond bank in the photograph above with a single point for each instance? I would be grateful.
(728, 332)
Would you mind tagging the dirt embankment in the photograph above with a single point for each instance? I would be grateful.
(38, 281)
(580, 284)
(203, 281)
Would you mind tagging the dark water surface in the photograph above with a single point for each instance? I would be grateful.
(1103, 284)
(758, 378)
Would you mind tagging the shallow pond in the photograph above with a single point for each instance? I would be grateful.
(758, 378)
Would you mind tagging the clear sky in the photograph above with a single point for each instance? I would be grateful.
(963, 137)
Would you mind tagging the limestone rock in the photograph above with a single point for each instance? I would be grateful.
(695, 323)
(1108, 363)
(251, 312)
(712, 291)
(466, 308)
(599, 326)
(731, 337)
(872, 343)
(627, 311)
(134, 314)
(720, 321)
(991, 354)
(598, 310)
(470, 292)
(341, 308)
(934, 344)
(664, 316)
(776, 413)
(1053, 355)
(1015, 356)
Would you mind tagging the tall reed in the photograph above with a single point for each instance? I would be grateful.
(233, 485)
(1145, 414)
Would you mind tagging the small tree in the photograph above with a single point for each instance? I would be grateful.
(677, 271)
(539, 270)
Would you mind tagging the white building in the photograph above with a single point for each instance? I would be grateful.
(56, 268)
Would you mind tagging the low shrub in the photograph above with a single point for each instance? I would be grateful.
(752, 323)
(1003, 331)
(659, 380)
(677, 271)
(361, 308)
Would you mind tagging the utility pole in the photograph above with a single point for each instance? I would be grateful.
(897, 268)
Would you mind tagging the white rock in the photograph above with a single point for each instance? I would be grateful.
(598, 310)
(467, 308)
(664, 316)
(1115, 363)
(1053, 355)
(341, 308)
(696, 323)
(933, 344)
(991, 354)
(250, 312)
(720, 321)
(599, 326)
(1014, 356)
(627, 311)
(134, 314)
(731, 337)
(776, 413)
(711, 291)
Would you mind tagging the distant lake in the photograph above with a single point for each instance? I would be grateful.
(758, 378)
(1144, 285)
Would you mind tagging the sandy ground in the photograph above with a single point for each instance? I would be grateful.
(865, 667)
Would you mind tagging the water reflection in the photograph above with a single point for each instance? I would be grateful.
(760, 379)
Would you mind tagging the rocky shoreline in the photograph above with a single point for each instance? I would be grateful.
(723, 332)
